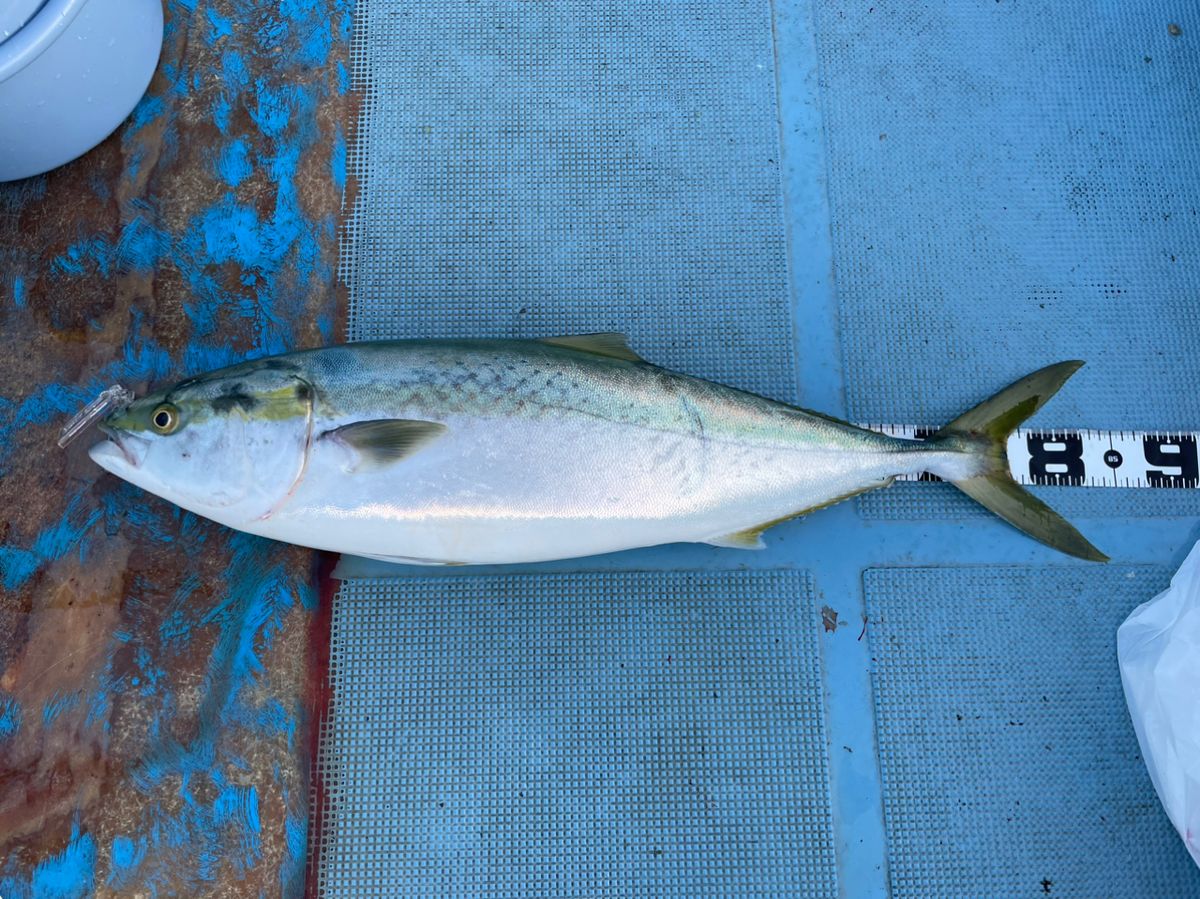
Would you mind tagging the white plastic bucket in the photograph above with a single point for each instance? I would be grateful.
(14, 14)
(69, 76)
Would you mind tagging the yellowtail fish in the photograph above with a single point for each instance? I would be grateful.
(498, 451)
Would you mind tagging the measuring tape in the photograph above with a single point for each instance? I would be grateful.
(1090, 458)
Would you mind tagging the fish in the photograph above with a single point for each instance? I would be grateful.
(454, 452)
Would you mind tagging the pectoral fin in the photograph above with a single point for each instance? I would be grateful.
(609, 343)
(383, 441)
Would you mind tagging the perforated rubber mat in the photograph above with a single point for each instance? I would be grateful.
(1009, 766)
(993, 187)
(627, 734)
(562, 167)
(1010, 186)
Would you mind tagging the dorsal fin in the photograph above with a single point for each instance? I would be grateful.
(607, 343)
(382, 441)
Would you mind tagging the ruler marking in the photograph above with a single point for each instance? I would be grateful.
(1091, 457)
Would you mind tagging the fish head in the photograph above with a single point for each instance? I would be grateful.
(230, 445)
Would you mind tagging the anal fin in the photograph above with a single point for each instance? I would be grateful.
(751, 537)
(413, 560)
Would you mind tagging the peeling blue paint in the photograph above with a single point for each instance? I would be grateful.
(124, 858)
(17, 565)
(325, 327)
(314, 48)
(273, 111)
(85, 257)
(232, 232)
(270, 720)
(140, 246)
(222, 109)
(99, 702)
(142, 360)
(283, 167)
(233, 163)
(268, 123)
(50, 401)
(345, 20)
(337, 162)
(71, 874)
(272, 31)
(234, 71)
(101, 187)
(177, 79)
(10, 718)
(291, 875)
(20, 295)
(238, 762)
(296, 828)
(222, 26)
(226, 832)
(259, 596)
(149, 108)
(57, 704)
(151, 673)
(237, 808)
(133, 164)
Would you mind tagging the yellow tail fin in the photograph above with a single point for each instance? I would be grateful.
(984, 430)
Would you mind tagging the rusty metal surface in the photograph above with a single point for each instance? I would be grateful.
(154, 667)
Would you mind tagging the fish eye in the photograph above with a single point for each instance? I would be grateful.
(165, 419)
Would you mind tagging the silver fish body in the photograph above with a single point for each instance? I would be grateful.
(495, 451)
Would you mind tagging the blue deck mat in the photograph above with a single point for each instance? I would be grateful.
(1012, 184)
(994, 186)
(1009, 766)
(532, 169)
(633, 734)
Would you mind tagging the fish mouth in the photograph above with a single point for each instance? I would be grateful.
(120, 452)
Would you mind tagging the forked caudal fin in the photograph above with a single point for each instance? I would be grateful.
(984, 431)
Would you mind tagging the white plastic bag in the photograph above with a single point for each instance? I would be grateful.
(1158, 647)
